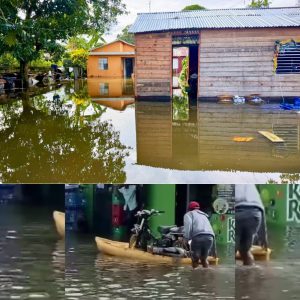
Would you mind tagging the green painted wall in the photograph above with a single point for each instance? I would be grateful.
(282, 203)
(224, 228)
(161, 197)
(89, 190)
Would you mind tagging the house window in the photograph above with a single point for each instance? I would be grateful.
(287, 57)
(104, 89)
(103, 63)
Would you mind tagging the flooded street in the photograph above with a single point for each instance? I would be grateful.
(278, 278)
(31, 256)
(90, 275)
(93, 132)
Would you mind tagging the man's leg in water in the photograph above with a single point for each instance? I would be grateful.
(202, 245)
(207, 244)
(247, 224)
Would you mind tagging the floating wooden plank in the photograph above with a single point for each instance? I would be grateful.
(271, 136)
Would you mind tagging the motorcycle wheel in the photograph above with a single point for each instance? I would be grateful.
(132, 241)
(180, 244)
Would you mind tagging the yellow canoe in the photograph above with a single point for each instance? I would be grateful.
(121, 249)
(258, 252)
(59, 219)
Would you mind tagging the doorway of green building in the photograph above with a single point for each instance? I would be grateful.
(204, 194)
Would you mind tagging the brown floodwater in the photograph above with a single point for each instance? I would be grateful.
(94, 132)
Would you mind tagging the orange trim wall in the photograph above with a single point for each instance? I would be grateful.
(115, 62)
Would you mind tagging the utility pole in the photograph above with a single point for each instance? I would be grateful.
(149, 5)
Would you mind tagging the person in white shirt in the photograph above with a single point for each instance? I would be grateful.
(130, 206)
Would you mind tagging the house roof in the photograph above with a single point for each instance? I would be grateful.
(118, 40)
(217, 19)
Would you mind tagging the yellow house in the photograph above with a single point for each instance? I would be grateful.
(115, 59)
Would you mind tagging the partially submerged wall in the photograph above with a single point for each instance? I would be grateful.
(240, 61)
(153, 69)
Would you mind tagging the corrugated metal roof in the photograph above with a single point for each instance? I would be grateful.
(217, 18)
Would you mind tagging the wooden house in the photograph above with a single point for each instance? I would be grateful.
(115, 59)
(231, 51)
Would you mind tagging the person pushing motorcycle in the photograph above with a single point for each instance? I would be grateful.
(197, 228)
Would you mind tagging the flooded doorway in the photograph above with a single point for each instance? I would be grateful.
(185, 60)
(128, 67)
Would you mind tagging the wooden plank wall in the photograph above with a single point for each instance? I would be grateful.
(241, 62)
(153, 64)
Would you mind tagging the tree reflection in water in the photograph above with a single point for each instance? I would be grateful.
(59, 138)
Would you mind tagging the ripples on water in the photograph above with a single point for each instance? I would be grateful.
(272, 280)
(90, 275)
(31, 257)
(278, 278)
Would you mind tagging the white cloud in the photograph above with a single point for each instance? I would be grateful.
(140, 6)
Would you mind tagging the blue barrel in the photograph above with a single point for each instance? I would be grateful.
(75, 203)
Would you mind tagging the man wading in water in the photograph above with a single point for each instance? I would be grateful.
(198, 229)
(249, 221)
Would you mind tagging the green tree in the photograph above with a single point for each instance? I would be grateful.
(126, 36)
(193, 7)
(28, 27)
(260, 3)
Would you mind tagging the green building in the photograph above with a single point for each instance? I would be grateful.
(173, 199)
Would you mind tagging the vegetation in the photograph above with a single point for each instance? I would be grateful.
(260, 3)
(193, 7)
(28, 28)
(126, 36)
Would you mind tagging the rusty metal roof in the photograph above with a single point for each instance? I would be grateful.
(217, 19)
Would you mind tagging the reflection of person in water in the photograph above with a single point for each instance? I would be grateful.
(197, 228)
(130, 207)
(249, 221)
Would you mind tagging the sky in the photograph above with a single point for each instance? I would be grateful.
(140, 6)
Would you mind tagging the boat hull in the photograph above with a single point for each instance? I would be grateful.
(121, 249)
(59, 219)
(258, 252)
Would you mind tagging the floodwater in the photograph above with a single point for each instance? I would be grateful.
(90, 275)
(31, 257)
(94, 132)
(278, 278)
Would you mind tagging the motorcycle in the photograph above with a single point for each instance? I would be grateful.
(142, 237)
(171, 241)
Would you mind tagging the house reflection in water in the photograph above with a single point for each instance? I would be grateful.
(205, 140)
(116, 93)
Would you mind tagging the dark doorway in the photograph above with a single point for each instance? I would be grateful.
(193, 71)
(128, 67)
(185, 84)
(185, 193)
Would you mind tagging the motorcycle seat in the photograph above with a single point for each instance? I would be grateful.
(165, 229)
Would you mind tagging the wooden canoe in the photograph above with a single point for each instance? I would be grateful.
(259, 253)
(121, 249)
(59, 219)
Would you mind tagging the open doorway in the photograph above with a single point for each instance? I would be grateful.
(128, 67)
(185, 193)
(185, 58)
